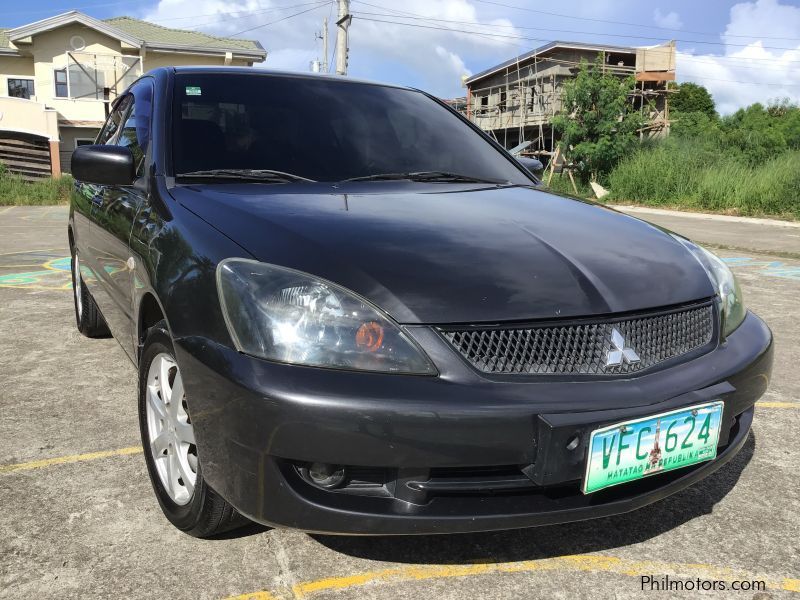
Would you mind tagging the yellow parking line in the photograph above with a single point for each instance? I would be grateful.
(73, 458)
(767, 404)
(574, 563)
(5, 210)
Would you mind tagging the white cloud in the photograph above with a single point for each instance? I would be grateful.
(751, 68)
(430, 58)
(763, 17)
(454, 61)
(670, 20)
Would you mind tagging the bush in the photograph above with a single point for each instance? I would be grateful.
(747, 163)
(14, 190)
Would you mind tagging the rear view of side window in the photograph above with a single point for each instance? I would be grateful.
(113, 121)
(135, 132)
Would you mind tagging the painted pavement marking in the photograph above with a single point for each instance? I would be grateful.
(568, 564)
(770, 268)
(72, 458)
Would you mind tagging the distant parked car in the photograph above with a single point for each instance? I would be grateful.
(353, 312)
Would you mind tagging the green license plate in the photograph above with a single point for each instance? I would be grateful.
(641, 447)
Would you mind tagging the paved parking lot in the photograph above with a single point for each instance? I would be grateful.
(79, 519)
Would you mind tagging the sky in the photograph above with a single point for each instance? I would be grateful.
(743, 52)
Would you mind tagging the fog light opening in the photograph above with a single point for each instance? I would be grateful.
(325, 475)
(573, 442)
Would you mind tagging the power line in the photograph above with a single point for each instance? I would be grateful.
(714, 61)
(552, 14)
(745, 60)
(403, 14)
(536, 40)
(410, 15)
(128, 3)
(302, 12)
(50, 10)
(703, 78)
(613, 35)
(242, 14)
(491, 2)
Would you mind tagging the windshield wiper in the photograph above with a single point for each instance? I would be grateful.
(432, 176)
(265, 175)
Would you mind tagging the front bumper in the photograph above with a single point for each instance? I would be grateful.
(255, 421)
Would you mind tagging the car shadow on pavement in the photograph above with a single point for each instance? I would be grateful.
(242, 532)
(552, 540)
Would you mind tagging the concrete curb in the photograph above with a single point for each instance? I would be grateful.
(694, 215)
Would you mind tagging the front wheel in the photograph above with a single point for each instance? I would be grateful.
(169, 445)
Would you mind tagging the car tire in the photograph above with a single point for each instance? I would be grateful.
(191, 506)
(88, 318)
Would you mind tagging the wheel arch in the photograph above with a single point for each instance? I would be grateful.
(150, 312)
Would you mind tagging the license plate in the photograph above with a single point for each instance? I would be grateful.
(641, 447)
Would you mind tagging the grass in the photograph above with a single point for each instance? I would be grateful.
(16, 191)
(561, 184)
(676, 175)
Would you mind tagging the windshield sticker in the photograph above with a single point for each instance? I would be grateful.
(193, 90)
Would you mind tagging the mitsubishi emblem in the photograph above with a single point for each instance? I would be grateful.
(619, 352)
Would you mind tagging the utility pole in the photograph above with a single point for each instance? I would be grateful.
(343, 23)
(325, 45)
(318, 66)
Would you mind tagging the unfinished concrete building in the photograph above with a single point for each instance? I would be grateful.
(516, 100)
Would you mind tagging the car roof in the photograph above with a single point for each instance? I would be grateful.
(256, 72)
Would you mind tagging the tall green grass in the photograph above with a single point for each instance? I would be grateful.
(682, 176)
(561, 184)
(16, 191)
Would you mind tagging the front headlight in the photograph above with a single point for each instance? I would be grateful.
(289, 316)
(730, 294)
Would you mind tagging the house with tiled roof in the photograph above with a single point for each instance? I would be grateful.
(59, 75)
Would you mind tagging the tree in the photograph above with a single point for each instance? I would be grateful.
(756, 132)
(691, 98)
(600, 125)
(787, 116)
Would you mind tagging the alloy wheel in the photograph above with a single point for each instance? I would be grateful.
(170, 430)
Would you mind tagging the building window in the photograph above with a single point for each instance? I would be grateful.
(20, 88)
(83, 142)
(60, 77)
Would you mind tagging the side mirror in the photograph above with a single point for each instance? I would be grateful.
(533, 165)
(103, 165)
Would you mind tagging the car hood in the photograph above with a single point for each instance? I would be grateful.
(442, 253)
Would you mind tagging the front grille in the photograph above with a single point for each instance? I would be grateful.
(583, 348)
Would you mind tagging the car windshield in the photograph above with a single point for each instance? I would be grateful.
(324, 130)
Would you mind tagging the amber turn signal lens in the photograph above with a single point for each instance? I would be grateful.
(369, 336)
